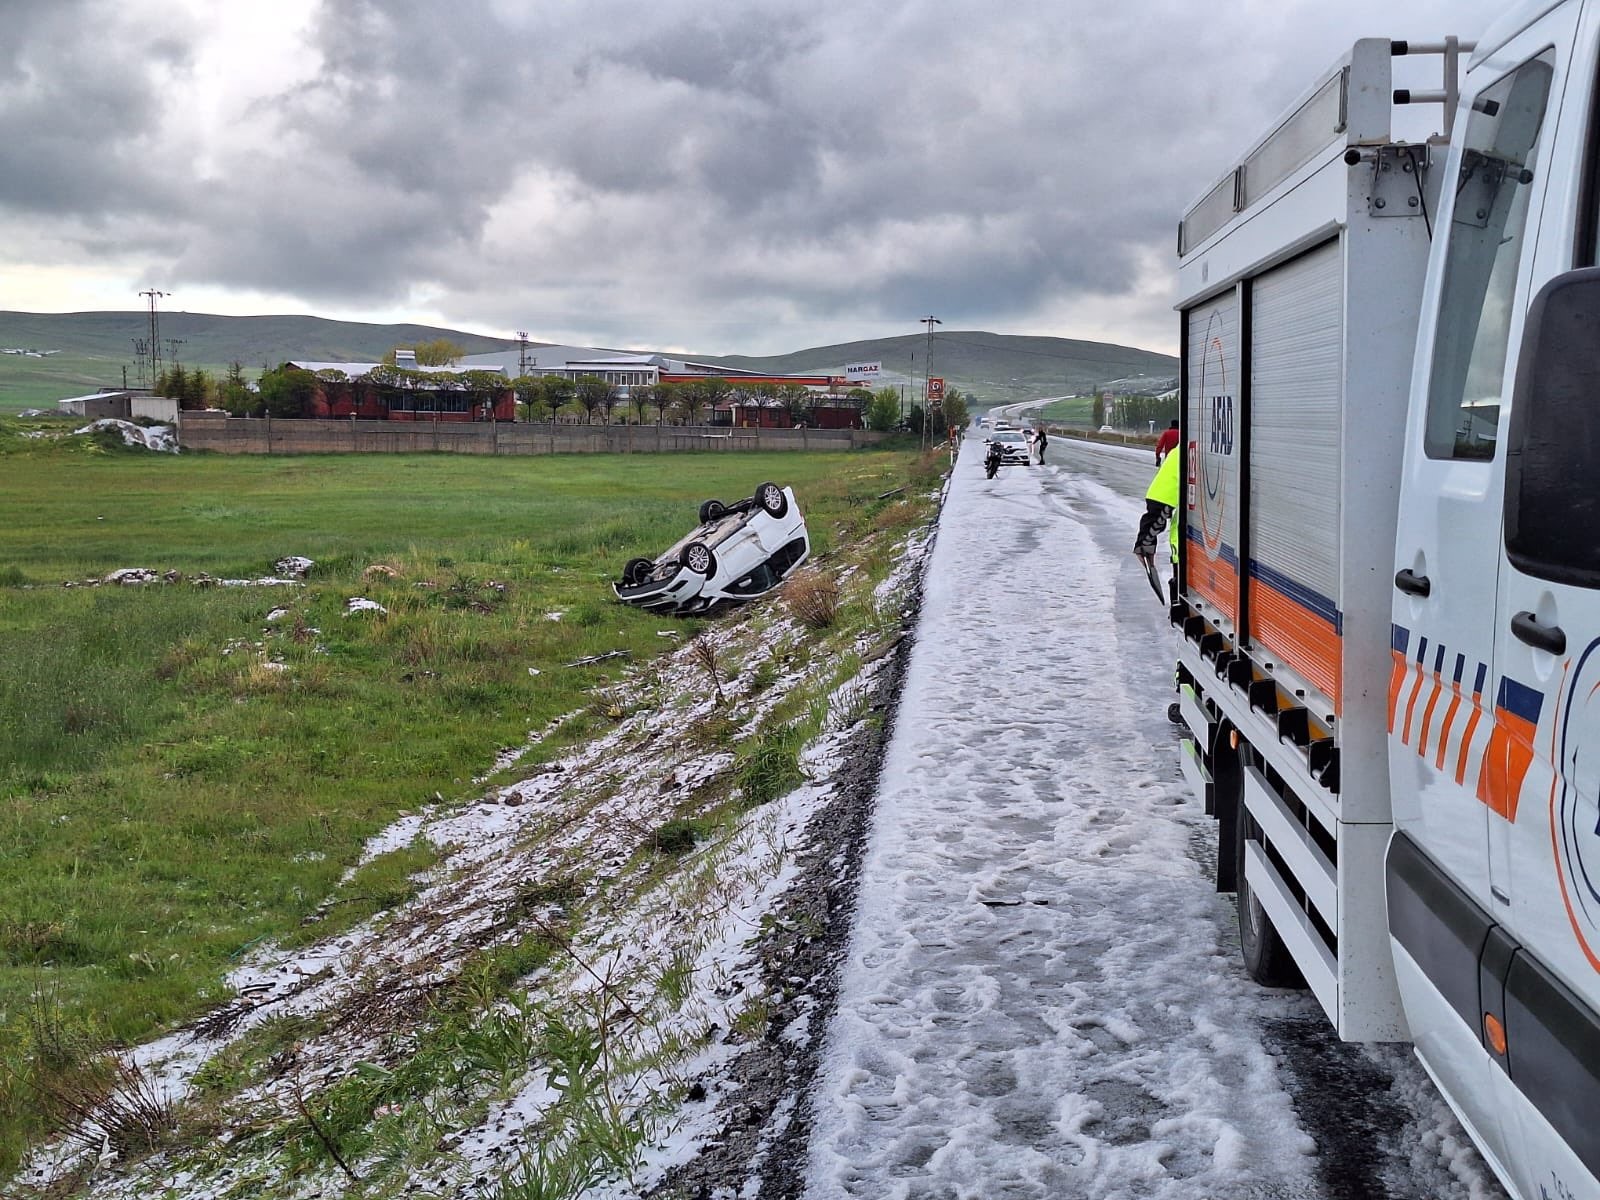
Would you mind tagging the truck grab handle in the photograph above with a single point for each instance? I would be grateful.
(1410, 582)
(1542, 637)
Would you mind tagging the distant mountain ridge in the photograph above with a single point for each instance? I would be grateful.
(994, 367)
(989, 365)
(208, 338)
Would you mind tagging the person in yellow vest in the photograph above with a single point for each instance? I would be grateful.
(1160, 512)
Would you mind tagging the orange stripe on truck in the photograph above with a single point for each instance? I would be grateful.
(1304, 640)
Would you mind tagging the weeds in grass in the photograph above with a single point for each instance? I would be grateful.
(813, 598)
(109, 1101)
(704, 654)
(851, 704)
(770, 765)
(676, 837)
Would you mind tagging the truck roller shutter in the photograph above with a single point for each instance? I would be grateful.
(1211, 469)
(1296, 372)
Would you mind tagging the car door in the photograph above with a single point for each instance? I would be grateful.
(1545, 773)
(1454, 719)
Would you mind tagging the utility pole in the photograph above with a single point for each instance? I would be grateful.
(141, 351)
(153, 297)
(524, 361)
(903, 410)
(927, 374)
(172, 349)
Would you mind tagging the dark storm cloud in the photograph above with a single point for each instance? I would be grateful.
(80, 106)
(698, 171)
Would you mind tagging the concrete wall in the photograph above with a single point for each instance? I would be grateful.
(95, 408)
(266, 435)
(154, 408)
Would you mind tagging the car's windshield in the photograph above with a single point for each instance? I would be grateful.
(1006, 436)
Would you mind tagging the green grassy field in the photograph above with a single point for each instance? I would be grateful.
(41, 382)
(180, 778)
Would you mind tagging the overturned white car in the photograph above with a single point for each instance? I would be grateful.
(738, 551)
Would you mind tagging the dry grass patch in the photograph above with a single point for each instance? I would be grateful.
(813, 598)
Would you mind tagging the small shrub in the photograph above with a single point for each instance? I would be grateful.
(813, 598)
(677, 837)
(771, 766)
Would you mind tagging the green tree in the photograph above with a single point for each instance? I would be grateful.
(440, 352)
(665, 397)
(235, 395)
(883, 409)
(173, 382)
(530, 395)
(716, 391)
(640, 397)
(287, 391)
(955, 410)
(198, 390)
(797, 400)
(592, 393)
(558, 393)
(691, 399)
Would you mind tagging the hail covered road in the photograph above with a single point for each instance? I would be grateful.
(1043, 995)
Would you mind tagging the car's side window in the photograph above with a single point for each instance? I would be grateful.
(1499, 159)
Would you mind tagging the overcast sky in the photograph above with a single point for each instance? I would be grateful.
(724, 176)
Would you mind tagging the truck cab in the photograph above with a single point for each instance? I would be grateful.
(1388, 589)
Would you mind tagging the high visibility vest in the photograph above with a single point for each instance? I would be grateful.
(1164, 490)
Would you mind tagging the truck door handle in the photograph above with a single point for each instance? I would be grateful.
(1409, 581)
(1544, 637)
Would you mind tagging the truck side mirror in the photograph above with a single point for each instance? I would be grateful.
(1552, 501)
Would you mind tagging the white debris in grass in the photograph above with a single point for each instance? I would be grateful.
(294, 566)
(160, 438)
(133, 576)
(277, 614)
(360, 604)
(554, 616)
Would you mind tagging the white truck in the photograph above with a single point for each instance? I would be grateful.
(1388, 586)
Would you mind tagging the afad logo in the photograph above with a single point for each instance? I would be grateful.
(1574, 800)
(1214, 408)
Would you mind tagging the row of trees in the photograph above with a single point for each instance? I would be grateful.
(195, 388)
(1135, 412)
(287, 392)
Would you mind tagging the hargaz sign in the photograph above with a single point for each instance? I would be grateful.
(862, 372)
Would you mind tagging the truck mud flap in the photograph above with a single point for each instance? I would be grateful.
(1194, 771)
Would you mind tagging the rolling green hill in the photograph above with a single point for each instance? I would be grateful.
(994, 367)
(95, 348)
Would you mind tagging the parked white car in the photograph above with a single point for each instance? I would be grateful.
(738, 551)
(1013, 446)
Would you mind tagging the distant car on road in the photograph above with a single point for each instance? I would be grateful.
(1013, 446)
(737, 552)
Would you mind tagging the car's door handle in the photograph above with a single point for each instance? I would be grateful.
(1409, 581)
(1543, 637)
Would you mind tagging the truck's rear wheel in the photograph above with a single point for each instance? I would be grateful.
(1266, 958)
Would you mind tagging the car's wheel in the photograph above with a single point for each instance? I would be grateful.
(712, 510)
(698, 558)
(1266, 958)
(772, 500)
(637, 570)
